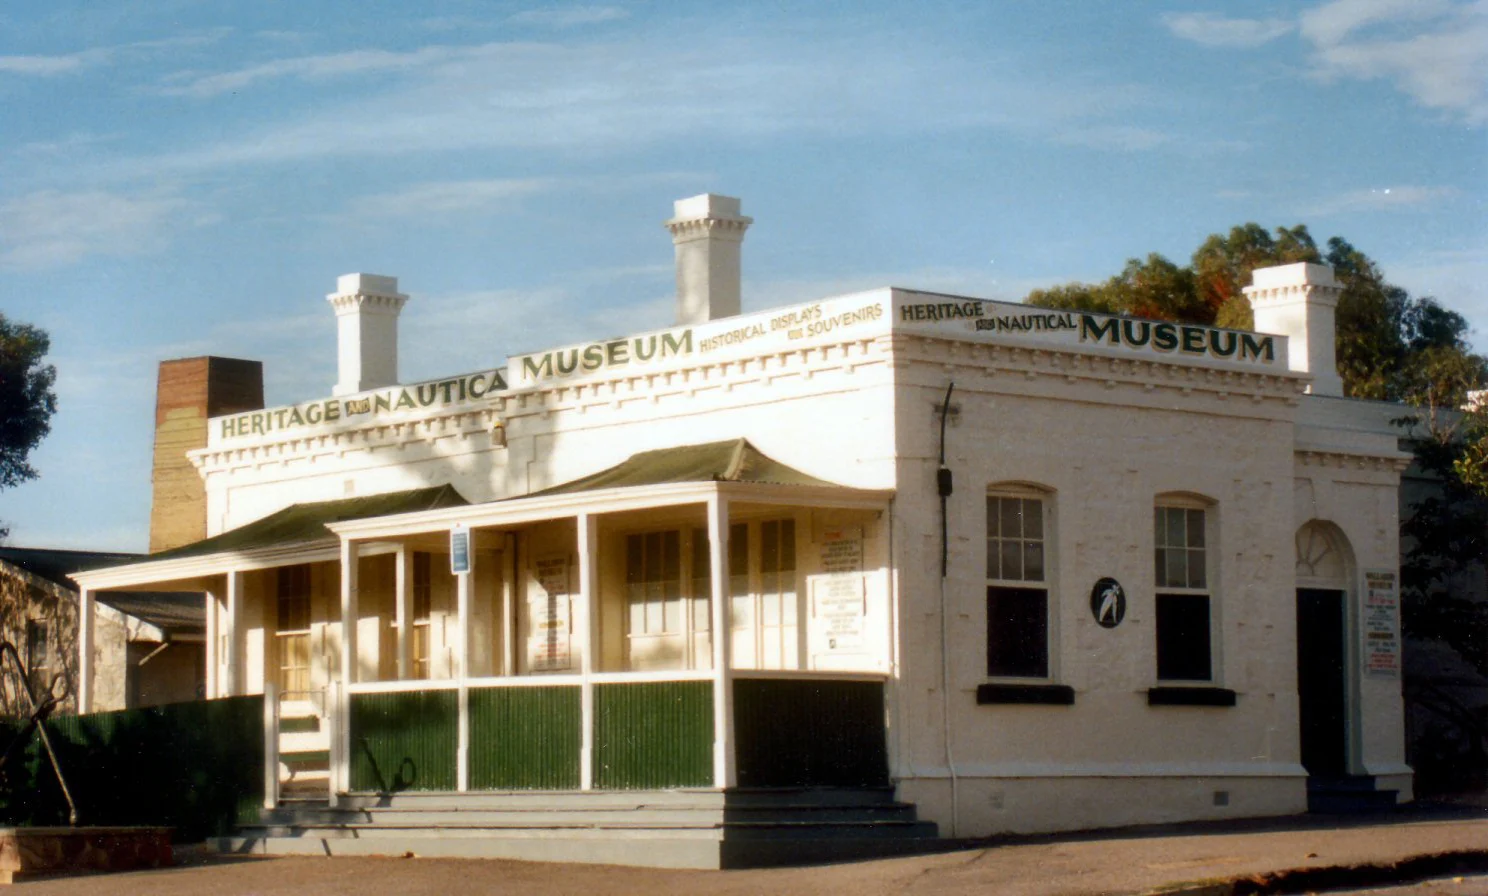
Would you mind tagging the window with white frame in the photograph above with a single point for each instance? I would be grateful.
(1017, 586)
(293, 629)
(1183, 601)
(39, 657)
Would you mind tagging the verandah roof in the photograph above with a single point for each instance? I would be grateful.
(300, 523)
(731, 461)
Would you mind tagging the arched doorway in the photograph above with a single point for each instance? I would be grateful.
(1324, 570)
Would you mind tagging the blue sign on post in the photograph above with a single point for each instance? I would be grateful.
(459, 550)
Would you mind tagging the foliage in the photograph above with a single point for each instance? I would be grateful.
(1446, 536)
(27, 401)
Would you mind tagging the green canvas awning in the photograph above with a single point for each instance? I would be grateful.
(301, 523)
(732, 461)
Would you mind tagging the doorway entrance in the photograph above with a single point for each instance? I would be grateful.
(1321, 683)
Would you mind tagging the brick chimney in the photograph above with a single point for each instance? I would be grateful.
(1298, 301)
(367, 307)
(187, 393)
(707, 231)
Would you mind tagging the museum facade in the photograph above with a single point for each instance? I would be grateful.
(1035, 570)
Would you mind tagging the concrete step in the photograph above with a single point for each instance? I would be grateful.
(541, 816)
(654, 851)
(1347, 795)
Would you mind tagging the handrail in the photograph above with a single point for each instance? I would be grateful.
(40, 711)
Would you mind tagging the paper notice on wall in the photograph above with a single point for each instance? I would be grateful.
(837, 608)
(548, 639)
(1381, 623)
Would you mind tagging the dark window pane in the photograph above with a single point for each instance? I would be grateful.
(1011, 526)
(1162, 566)
(634, 570)
(671, 563)
(1012, 560)
(787, 545)
(1033, 518)
(1175, 527)
(769, 546)
(1033, 561)
(1196, 569)
(1177, 574)
(1017, 632)
(1159, 527)
(1195, 528)
(701, 560)
(994, 565)
(1183, 637)
(739, 549)
(992, 516)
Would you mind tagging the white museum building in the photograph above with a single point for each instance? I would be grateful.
(1022, 570)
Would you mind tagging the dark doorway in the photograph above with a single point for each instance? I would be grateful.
(1321, 661)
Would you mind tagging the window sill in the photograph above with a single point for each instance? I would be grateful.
(1190, 696)
(1039, 694)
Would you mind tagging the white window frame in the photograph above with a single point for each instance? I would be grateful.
(1209, 591)
(1047, 582)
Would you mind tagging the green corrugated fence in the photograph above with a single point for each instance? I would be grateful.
(197, 767)
(653, 735)
(525, 738)
(404, 740)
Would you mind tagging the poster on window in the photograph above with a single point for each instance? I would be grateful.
(548, 638)
(838, 605)
(1381, 623)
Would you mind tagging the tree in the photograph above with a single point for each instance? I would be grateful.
(27, 401)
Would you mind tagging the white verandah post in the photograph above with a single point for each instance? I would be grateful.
(86, 621)
(214, 662)
(585, 629)
(462, 671)
(724, 772)
(403, 609)
(233, 686)
(341, 752)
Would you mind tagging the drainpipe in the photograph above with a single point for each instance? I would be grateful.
(944, 488)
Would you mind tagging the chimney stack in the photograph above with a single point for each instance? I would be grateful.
(1298, 302)
(367, 307)
(707, 231)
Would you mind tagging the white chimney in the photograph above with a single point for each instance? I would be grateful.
(367, 307)
(1298, 301)
(707, 231)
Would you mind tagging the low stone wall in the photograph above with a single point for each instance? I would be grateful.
(29, 851)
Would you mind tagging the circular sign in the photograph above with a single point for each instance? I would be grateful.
(1108, 603)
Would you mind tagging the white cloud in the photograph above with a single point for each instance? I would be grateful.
(571, 17)
(444, 197)
(73, 63)
(1381, 199)
(1434, 51)
(50, 228)
(1214, 30)
(588, 96)
(42, 66)
(1331, 23)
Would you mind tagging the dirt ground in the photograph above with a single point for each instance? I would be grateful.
(1112, 863)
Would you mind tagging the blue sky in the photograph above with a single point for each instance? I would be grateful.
(181, 178)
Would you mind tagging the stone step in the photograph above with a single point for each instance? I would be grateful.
(546, 799)
(710, 815)
(587, 847)
(625, 829)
